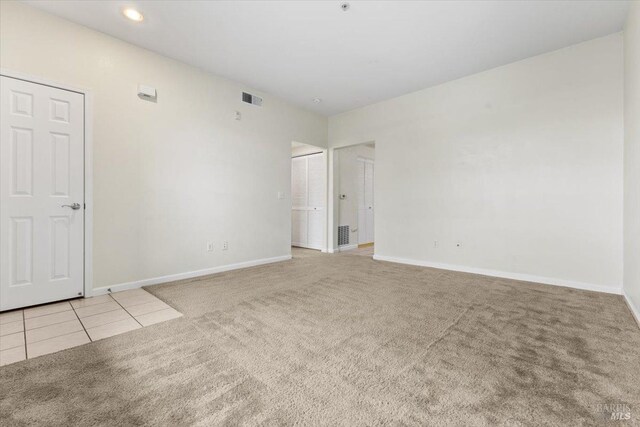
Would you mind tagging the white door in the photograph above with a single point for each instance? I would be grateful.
(299, 202)
(42, 194)
(368, 200)
(315, 205)
(365, 201)
(308, 201)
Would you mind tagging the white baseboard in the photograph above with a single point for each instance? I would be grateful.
(635, 311)
(347, 247)
(188, 275)
(505, 275)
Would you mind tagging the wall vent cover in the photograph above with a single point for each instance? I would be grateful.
(251, 99)
(343, 235)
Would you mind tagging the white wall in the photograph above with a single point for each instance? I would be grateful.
(522, 164)
(347, 161)
(632, 158)
(168, 176)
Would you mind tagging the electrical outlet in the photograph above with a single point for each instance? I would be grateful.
(435, 243)
(225, 245)
(209, 246)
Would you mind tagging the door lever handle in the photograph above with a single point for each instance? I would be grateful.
(74, 206)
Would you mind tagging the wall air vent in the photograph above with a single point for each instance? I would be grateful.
(343, 235)
(251, 99)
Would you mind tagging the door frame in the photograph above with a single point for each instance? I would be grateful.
(325, 248)
(88, 166)
(333, 185)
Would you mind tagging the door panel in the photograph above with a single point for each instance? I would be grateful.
(60, 247)
(299, 182)
(60, 167)
(299, 227)
(308, 201)
(316, 229)
(42, 169)
(365, 202)
(362, 205)
(362, 226)
(21, 162)
(21, 250)
(368, 196)
(316, 179)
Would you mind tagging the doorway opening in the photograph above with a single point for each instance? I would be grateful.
(355, 172)
(308, 197)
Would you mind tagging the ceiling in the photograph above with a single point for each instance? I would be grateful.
(301, 50)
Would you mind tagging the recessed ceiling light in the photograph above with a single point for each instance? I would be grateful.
(317, 100)
(133, 14)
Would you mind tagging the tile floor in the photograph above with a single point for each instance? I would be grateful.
(32, 332)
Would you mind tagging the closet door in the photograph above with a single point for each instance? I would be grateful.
(365, 201)
(299, 201)
(315, 187)
(308, 201)
(368, 199)
(362, 206)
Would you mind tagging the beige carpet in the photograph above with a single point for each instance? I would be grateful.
(345, 340)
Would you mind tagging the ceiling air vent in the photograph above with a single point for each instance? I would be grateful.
(251, 99)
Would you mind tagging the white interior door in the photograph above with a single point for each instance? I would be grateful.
(368, 200)
(315, 206)
(41, 178)
(299, 197)
(308, 201)
(365, 202)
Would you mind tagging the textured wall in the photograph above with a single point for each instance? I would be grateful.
(522, 165)
(172, 175)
